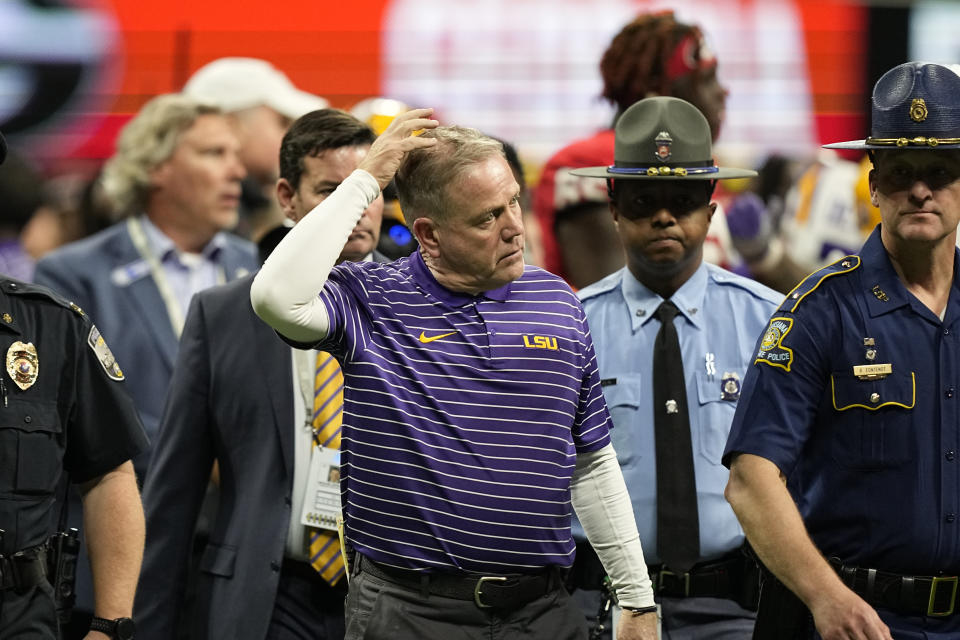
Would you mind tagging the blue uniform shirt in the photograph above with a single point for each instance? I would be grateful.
(871, 463)
(721, 317)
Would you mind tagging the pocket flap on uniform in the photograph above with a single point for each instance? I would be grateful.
(219, 560)
(895, 390)
(625, 393)
(30, 415)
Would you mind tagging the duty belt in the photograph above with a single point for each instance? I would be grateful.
(24, 569)
(487, 592)
(713, 579)
(934, 596)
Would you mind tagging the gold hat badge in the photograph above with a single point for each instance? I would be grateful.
(23, 366)
(918, 110)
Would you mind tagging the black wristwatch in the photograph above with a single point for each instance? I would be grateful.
(120, 628)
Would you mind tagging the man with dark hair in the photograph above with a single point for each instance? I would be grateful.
(239, 396)
(843, 451)
(66, 415)
(473, 416)
(652, 55)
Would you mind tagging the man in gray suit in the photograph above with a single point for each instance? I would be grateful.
(236, 397)
(176, 177)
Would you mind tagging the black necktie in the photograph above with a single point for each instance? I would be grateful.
(678, 526)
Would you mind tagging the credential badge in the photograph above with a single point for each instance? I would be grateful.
(23, 366)
(663, 141)
(730, 386)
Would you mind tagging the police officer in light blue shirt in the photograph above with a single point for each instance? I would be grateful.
(660, 188)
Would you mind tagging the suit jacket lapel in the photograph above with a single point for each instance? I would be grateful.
(147, 301)
(275, 367)
(236, 263)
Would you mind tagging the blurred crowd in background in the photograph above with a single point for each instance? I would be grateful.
(784, 75)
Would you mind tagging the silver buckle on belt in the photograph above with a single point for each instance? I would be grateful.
(477, 592)
(685, 576)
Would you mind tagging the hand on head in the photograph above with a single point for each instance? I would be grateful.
(384, 157)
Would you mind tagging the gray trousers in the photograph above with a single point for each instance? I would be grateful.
(380, 610)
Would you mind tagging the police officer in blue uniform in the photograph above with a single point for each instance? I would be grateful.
(843, 452)
(63, 408)
(660, 189)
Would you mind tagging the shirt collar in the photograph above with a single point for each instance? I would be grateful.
(425, 279)
(643, 303)
(884, 289)
(165, 250)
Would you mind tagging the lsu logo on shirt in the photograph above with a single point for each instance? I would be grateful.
(772, 352)
(540, 342)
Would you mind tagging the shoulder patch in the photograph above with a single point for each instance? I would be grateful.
(810, 284)
(771, 351)
(103, 353)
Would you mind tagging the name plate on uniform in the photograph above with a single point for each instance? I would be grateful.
(321, 502)
(872, 371)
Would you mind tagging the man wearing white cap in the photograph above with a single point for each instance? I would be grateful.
(262, 103)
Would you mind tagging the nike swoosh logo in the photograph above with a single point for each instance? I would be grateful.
(424, 339)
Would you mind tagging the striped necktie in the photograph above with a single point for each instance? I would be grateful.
(325, 554)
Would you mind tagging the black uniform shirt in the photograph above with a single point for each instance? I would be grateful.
(73, 415)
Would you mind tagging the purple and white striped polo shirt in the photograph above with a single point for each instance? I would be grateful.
(463, 416)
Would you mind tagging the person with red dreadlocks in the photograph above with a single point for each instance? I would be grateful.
(652, 55)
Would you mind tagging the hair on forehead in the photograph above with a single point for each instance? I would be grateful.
(146, 142)
(316, 132)
(426, 174)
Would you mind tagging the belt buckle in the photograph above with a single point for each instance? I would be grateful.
(479, 585)
(686, 581)
(937, 581)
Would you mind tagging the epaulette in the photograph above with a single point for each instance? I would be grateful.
(608, 283)
(19, 288)
(809, 284)
(722, 277)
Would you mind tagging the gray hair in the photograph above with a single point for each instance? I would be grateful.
(425, 174)
(146, 142)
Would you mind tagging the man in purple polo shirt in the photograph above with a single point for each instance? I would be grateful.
(473, 417)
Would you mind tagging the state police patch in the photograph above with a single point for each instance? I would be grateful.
(771, 350)
(104, 355)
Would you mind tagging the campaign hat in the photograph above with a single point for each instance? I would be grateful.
(663, 138)
(915, 105)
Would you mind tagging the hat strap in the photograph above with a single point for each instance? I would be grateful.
(919, 141)
(662, 171)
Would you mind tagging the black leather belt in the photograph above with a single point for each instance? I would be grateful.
(487, 592)
(721, 578)
(934, 596)
(24, 569)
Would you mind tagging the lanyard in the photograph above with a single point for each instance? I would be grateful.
(305, 362)
(174, 311)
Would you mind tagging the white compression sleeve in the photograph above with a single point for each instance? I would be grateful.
(284, 292)
(602, 503)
